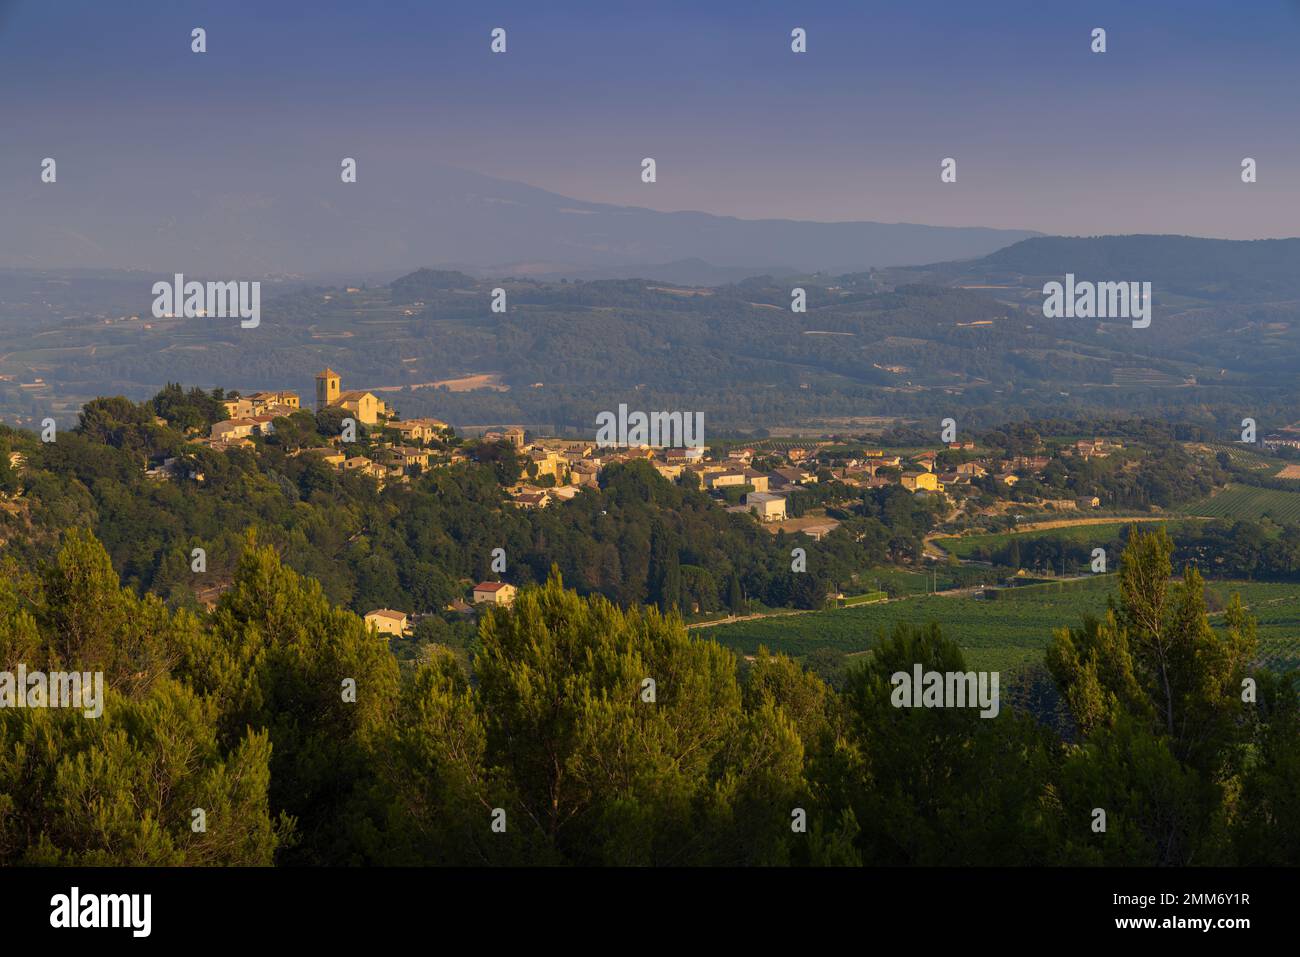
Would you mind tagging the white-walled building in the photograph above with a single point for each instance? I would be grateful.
(769, 506)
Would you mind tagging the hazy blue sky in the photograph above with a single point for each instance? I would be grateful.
(1147, 137)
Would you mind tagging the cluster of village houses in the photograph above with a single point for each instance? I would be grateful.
(575, 463)
(920, 474)
(557, 469)
(255, 415)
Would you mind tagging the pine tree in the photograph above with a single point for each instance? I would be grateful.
(735, 598)
(625, 741)
(1156, 694)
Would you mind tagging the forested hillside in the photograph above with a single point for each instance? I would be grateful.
(417, 546)
(1211, 269)
(967, 340)
(289, 725)
(584, 725)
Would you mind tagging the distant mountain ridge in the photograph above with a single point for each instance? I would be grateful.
(1241, 271)
(410, 216)
(681, 272)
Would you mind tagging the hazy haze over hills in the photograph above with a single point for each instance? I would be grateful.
(407, 216)
(1220, 270)
(1223, 341)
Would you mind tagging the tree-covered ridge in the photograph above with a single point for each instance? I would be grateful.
(417, 546)
(121, 788)
(1213, 269)
(636, 538)
(287, 723)
(964, 339)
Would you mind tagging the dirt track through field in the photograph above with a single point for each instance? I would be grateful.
(1100, 520)
(1070, 523)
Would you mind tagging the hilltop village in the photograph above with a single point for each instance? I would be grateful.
(418, 526)
(774, 481)
(757, 478)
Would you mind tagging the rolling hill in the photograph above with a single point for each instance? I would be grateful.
(918, 344)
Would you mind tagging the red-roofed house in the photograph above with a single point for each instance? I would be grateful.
(496, 593)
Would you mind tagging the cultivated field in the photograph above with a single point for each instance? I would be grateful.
(1241, 457)
(1244, 501)
(1276, 607)
(1084, 532)
(995, 634)
(1002, 634)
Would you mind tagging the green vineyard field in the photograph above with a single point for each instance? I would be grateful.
(1244, 501)
(968, 545)
(1002, 634)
